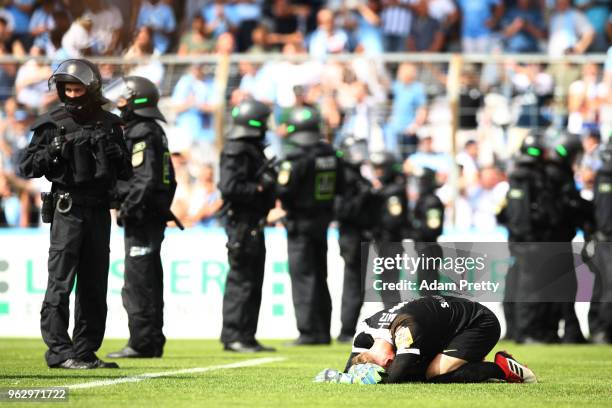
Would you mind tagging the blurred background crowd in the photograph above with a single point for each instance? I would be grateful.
(387, 88)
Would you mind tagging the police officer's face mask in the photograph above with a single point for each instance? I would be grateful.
(80, 105)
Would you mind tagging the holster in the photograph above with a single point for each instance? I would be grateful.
(48, 207)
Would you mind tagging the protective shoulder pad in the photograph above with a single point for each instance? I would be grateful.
(47, 118)
(236, 147)
(111, 118)
(141, 129)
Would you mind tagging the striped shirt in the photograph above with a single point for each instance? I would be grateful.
(396, 20)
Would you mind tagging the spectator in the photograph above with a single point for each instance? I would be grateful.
(247, 15)
(327, 38)
(479, 19)
(445, 11)
(53, 45)
(158, 16)
(205, 199)
(261, 42)
(107, 23)
(408, 111)
(584, 99)
(427, 156)
(521, 28)
(396, 20)
(31, 85)
(590, 162)
(534, 90)
(360, 120)
(468, 160)
(486, 198)
(598, 13)
(9, 44)
(283, 24)
(198, 40)
(20, 11)
(426, 34)
(78, 40)
(142, 49)
(42, 22)
(369, 38)
(193, 101)
(216, 18)
(570, 31)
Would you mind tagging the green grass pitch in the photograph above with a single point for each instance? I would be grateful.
(570, 376)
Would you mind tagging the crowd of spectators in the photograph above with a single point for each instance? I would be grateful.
(403, 108)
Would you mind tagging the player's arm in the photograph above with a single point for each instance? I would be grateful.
(404, 368)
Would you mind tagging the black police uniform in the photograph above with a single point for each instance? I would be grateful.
(308, 181)
(427, 221)
(90, 154)
(600, 312)
(392, 217)
(353, 208)
(144, 210)
(529, 215)
(425, 327)
(574, 212)
(247, 188)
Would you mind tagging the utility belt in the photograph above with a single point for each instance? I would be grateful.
(62, 201)
(253, 220)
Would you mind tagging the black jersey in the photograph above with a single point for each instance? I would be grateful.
(422, 328)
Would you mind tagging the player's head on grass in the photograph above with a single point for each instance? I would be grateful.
(381, 353)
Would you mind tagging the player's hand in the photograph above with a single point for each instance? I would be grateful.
(329, 375)
(366, 373)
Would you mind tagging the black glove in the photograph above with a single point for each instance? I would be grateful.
(113, 151)
(55, 147)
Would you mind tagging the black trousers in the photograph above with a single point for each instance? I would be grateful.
(547, 286)
(246, 255)
(600, 311)
(307, 250)
(143, 288)
(79, 250)
(352, 288)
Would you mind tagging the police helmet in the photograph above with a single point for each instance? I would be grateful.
(249, 120)
(426, 179)
(354, 151)
(387, 162)
(303, 126)
(532, 148)
(567, 148)
(140, 93)
(606, 153)
(78, 71)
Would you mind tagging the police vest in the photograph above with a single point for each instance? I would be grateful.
(603, 200)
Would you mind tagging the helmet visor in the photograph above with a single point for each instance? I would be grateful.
(117, 90)
(73, 71)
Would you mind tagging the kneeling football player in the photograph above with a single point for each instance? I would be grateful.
(440, 339)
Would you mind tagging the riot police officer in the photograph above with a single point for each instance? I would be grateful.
(573, 212)
(427, 219)
(247, 185)
(528, 215)
(353, 208)
(79, 147)
(600, 312)
(308, 181)
(392, 216)
(144, 209)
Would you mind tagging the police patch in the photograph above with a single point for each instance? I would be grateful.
(516, 194)
(394, 206)
(605, 188)
(403, 338)
(433, 217)
(138, 153)
(284, 174)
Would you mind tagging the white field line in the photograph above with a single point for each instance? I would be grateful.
(145, 376)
